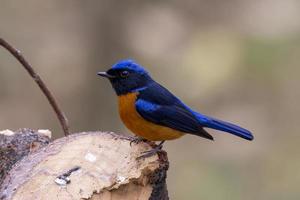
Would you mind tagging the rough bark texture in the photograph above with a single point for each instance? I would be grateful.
(15, 145)
(89, 165)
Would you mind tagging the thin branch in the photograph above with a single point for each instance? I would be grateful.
(17, 54)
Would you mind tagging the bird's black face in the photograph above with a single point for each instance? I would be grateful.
(127, 77)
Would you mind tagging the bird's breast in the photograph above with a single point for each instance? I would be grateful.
(138, 125)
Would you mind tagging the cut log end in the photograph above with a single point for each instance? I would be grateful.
(89, 165)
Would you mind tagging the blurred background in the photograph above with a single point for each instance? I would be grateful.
(237, 60)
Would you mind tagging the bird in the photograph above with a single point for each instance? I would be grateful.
(153, 113)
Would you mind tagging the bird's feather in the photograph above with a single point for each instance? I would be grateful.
(220, 125)
(161, 107)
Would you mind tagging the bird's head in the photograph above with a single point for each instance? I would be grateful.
(127, 76)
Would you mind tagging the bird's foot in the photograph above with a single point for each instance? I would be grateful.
(137, 140)
(151, 152)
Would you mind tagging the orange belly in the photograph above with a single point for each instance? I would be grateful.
(141, 127)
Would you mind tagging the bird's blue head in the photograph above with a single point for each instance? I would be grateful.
(127, 76)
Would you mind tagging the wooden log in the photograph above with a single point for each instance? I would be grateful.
(88, 165)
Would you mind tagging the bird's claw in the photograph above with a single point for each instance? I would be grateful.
(137, 140)
(149, 153)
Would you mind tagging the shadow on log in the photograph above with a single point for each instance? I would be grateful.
(88, 165)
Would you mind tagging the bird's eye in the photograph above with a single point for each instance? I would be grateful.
(124, 74)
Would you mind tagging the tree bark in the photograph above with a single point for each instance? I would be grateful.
(15, 145)
(88, 165)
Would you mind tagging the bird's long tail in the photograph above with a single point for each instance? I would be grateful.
(220, 125)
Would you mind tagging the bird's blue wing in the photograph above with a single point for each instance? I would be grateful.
(171, 116)
(157, 105)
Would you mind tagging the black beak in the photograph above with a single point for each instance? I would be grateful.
(104, 74)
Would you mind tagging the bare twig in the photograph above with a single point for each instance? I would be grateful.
(17, 54)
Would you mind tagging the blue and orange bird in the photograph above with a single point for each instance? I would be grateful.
(153, 113)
